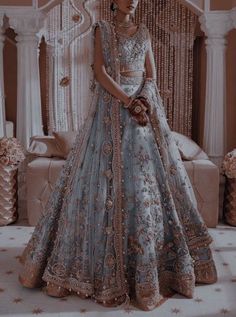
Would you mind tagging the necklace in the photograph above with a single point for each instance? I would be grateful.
(125, 24)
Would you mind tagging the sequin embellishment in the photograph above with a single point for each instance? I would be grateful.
(109, 203)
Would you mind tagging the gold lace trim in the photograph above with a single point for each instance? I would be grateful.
(117, 173)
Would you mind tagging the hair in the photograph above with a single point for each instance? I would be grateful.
(113, 6)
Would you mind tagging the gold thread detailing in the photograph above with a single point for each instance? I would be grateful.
(125, 80)
(205, 273)
(55, 290)
(59, 270)
(31, 275)
(173, 170)
(134, 246)
(158, 137)
(85, 288)
(117, 171)
(199, 242)
(110, 261)
(147, 296)
(173, 282)
(107, 120)
(107, 148)
(114, 302)
(107, 97)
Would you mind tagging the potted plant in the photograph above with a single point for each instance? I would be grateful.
(11, 155)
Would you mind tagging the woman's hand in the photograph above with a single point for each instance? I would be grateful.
(146, 104)
(138, 110)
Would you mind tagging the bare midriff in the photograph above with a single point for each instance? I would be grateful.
(138, 73)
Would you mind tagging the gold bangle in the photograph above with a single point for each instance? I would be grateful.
(130, 103)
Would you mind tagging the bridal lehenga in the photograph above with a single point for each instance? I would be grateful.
(122, 221)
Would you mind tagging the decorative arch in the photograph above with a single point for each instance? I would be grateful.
(46, 7)
(195, 6)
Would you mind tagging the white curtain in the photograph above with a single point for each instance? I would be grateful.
(70, 54)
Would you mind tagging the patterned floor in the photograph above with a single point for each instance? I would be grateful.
(209, 301)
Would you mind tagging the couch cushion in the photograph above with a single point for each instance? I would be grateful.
(44, 146)
(42, 174)
(204, 177)
(65, 141)
(189, 150)
(60, 144)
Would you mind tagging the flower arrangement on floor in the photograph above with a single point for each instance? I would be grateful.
(229, 170)
(11, 155)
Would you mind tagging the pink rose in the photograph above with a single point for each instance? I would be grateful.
(4, 160)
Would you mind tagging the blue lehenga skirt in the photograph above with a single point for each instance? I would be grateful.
(165, 243)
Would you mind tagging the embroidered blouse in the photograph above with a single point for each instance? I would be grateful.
(132, 49)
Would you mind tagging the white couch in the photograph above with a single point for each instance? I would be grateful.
(43, 171)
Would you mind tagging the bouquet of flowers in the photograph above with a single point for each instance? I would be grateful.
(229, 164)
(11, 152)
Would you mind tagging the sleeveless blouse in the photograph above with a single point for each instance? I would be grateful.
(133, 49)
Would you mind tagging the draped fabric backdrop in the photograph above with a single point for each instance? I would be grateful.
(69, 50)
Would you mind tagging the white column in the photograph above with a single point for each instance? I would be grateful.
(215, 25)
(207, 5)
(2, 92)
(233, 17)
(29, 113)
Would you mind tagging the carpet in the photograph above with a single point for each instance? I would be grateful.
(209, 300)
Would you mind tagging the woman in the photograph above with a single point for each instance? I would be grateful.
(122, 221)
